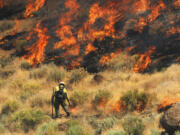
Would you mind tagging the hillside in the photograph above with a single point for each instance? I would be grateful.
(95, 98)
(119, 60)
(88, 34)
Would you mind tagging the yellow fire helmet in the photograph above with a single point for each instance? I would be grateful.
(62, 83)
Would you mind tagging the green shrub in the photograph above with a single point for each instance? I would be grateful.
(101, 95)
(134, 100)
(155, 132)
(109, 123)
(6, 26)
(2, 128)
(79, 98)
(48, 128)
(3, 83)
(25, 65)
(93, 122)
(38, 73)
(10, 107)
(3, 118)
(17, 84)
(39, 101)
(28, 119)
(19, 46)
(116, 132)
(30, 87)
(133, 126)
(177, 133)
(75, 130)
(77, 75)
(56, 75)
(28, 90)
(5, 73)
(25, 90)
(104, 124)
(4, 61)
(72, 123)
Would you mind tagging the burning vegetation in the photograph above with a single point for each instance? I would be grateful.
(167, 103)
(111, 37)
(1, 3)
(33, 6)
(36, 51)
(91, 34)
(144, 60)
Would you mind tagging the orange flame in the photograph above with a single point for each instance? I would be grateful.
(36, 52)
(152, 16)
(178, 58)
(67, 17)
(74, 110)
(117, 106)
(29, 36)
(1, 3)
(177, 3)
(102, 103)
(173, 31)
(109, 14)
(156, 11)
(141, 6)
(106, 58)
(33, 6)
(68, 39)
(129, 49)
(90, 48)
(144, 60)
(100, 24)
(141, 106)
(71, 40)
(167, 102)
(66, 36)
(141, 24)
(75, 63)
(17, 22)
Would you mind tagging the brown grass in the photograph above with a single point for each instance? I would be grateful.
(23, 26)
(160, 84)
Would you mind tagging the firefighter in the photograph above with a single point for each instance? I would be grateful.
(60, 97)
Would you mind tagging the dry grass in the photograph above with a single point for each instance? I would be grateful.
(160, 84)
(7, 27)
(122, 62)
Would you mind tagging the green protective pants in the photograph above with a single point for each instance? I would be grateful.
(64, 106)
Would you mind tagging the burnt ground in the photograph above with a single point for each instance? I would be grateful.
(154, 34)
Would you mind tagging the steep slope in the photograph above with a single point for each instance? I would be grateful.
(91, 33)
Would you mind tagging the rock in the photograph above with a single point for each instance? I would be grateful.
(171, 119)
(98, 78)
